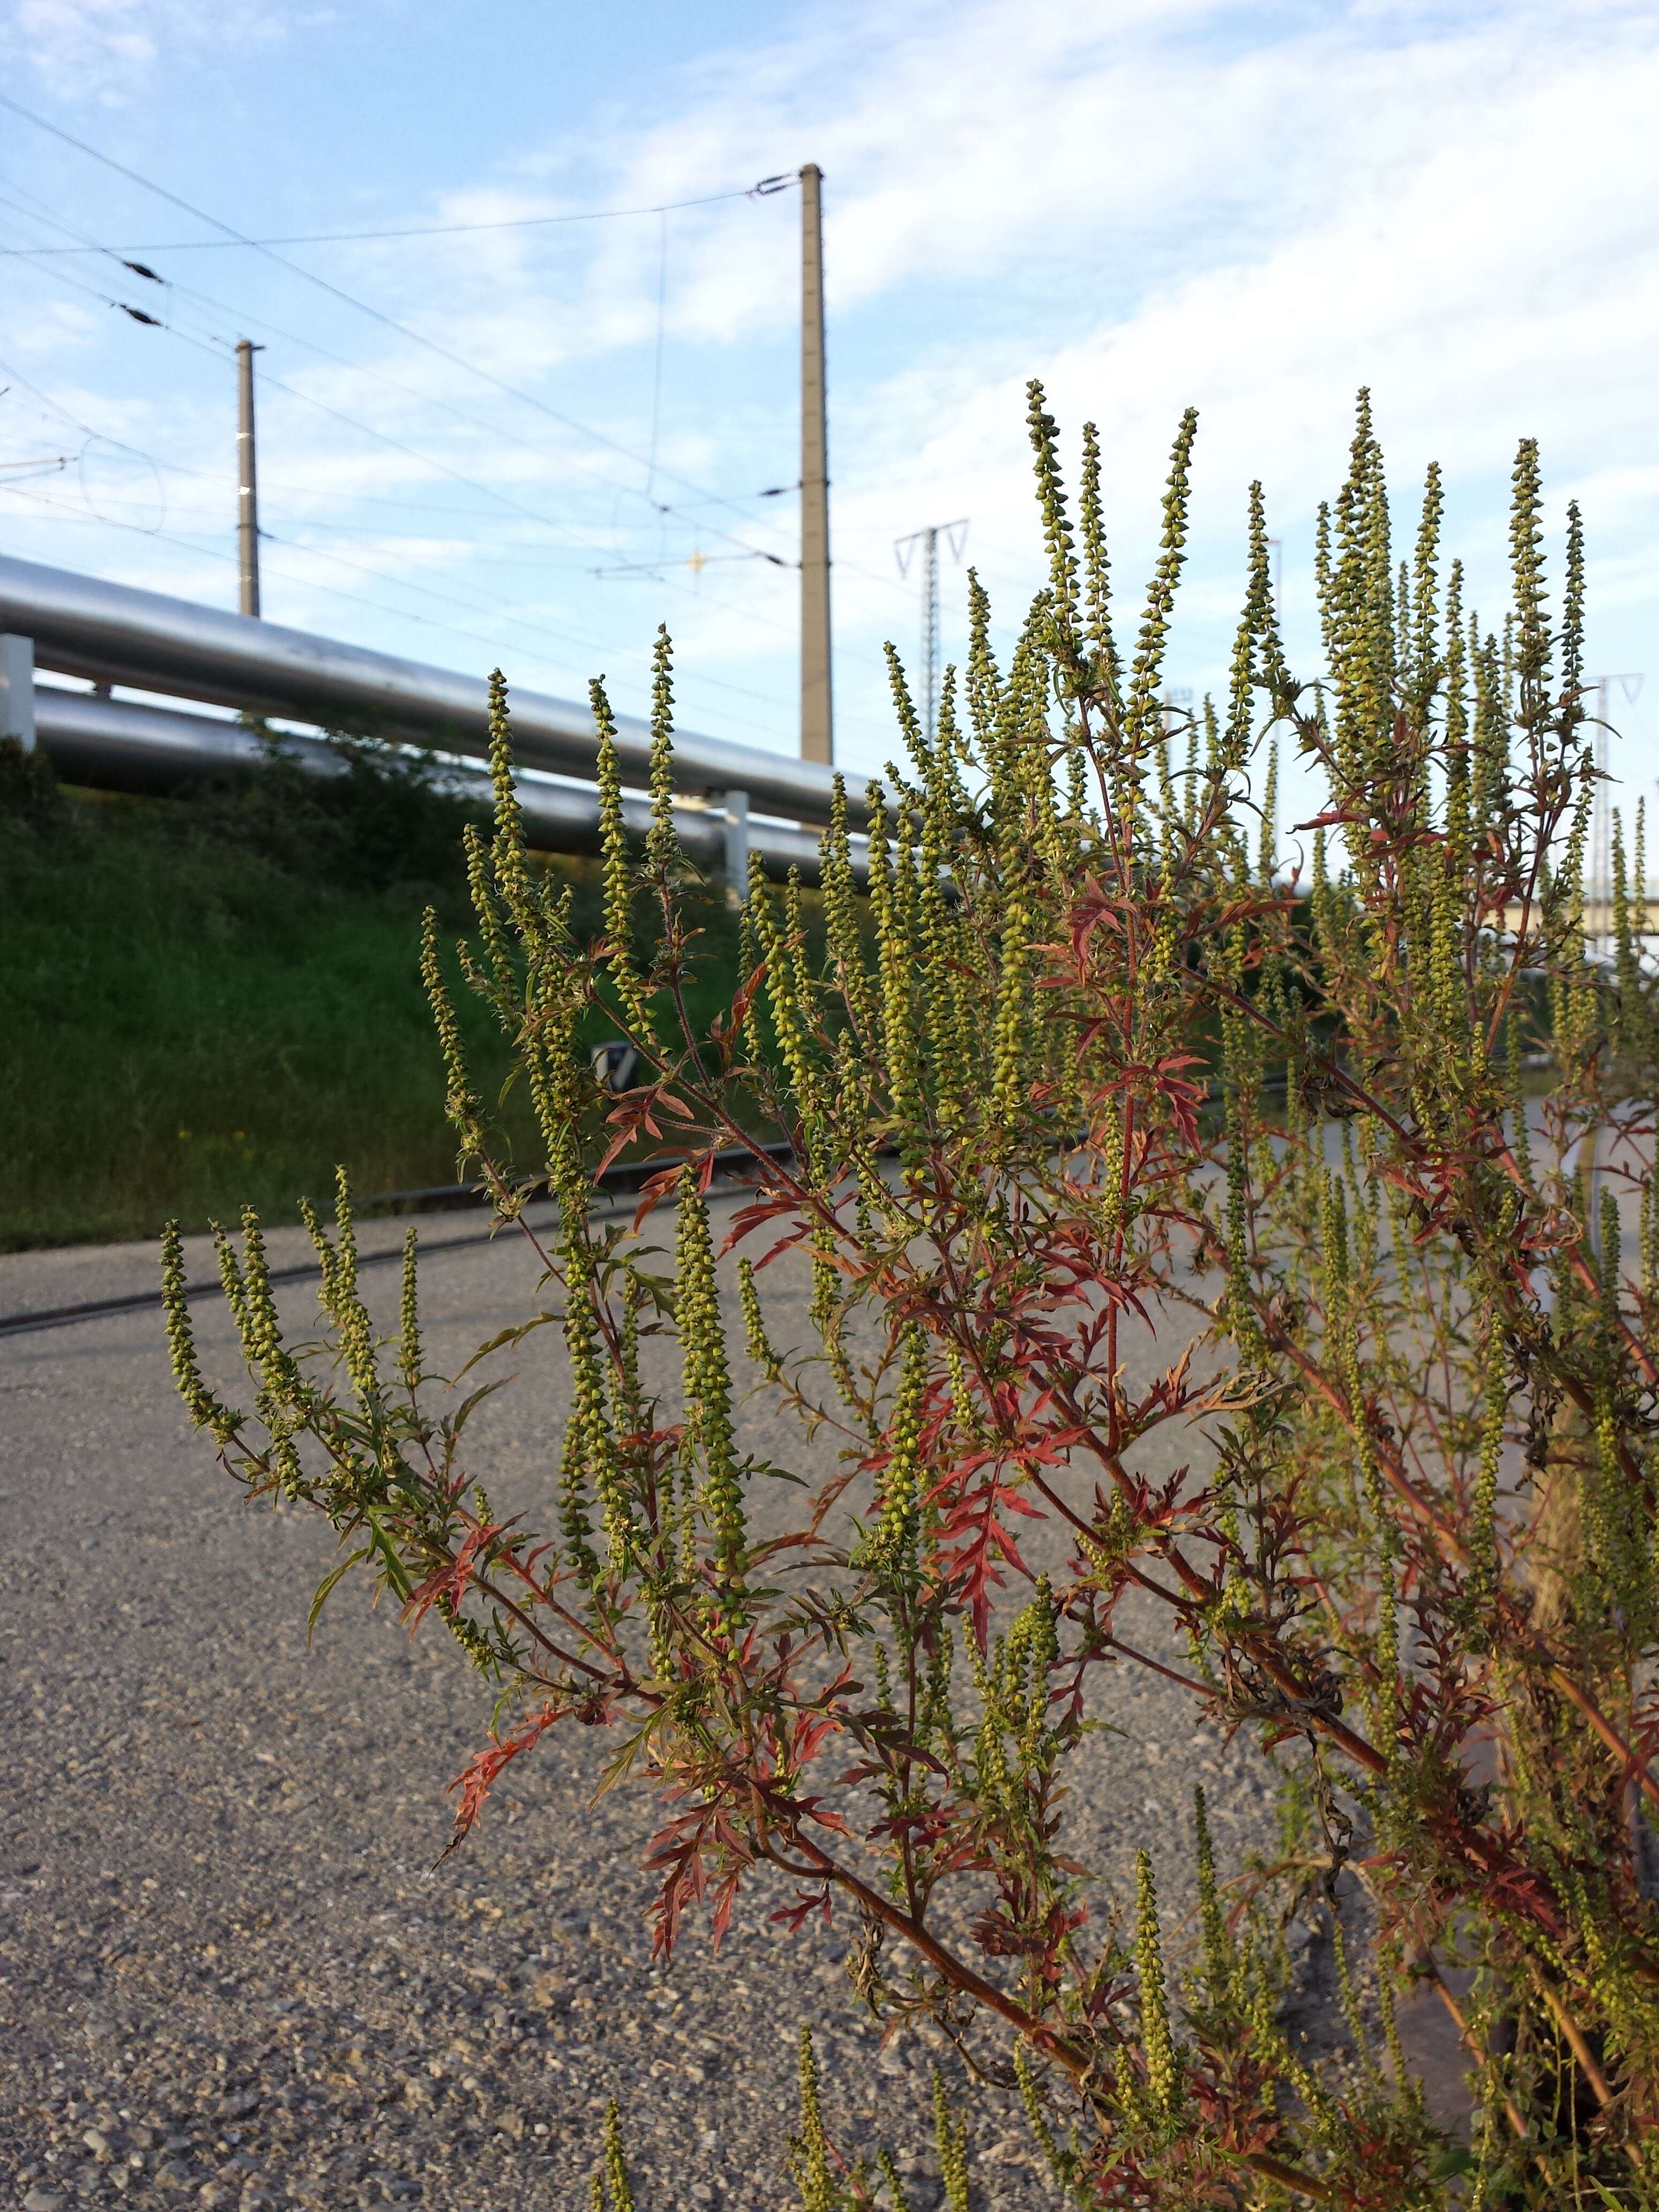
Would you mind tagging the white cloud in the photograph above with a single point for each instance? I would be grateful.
(1452, 206)
(109, 49)
(1254, 209)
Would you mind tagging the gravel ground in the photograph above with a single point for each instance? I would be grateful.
(231, 1968)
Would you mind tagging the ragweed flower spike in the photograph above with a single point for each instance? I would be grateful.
(840, 910)
(616, 2164)
(616, 866)
(756, 1343)
(1455, 728)
(410, 1357)
(1098, 576)
(1573, 626)
(1256, 646)
(892, 1547)
(1426, 663)
(1357, 599)
(508, 852)
(790, 1019)
(809, 2155)
(1268, 852)
(1156, 2042)
(984, 683)
(1533, 642)
(495, 984)
(461, 1101)
(950, 2135)
(1010, 1060)
(346, 1308)
(895, 961)
(205, 1409)
(1213, 1922)
(709, 1437)
(662, 844)
(1143, 717)
(1056, 532)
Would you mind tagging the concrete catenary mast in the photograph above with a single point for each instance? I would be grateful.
(247, 494)
(817, 720)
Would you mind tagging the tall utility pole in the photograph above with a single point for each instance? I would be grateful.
(247, 495)
(816, 722)
(956, 536)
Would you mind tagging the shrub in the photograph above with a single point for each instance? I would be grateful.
(383, 819)
(29, 798)
(1095, 1058)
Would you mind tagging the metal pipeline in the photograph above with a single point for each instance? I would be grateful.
(113, 634)
(119, 745)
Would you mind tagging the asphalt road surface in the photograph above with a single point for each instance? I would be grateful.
(232, 1970)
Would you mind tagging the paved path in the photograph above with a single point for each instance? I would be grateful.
(230, 1972)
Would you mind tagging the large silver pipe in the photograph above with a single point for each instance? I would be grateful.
(83, 626)
(121, 745)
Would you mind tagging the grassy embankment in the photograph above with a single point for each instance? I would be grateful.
(206, 1002)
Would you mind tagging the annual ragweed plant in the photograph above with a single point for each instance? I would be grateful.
(1364, 1123)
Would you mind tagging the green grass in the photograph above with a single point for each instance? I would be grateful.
(203, 1006)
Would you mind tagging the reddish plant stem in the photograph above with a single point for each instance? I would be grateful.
(1574, 2036)
(1471, 2044)
(1075, 2060)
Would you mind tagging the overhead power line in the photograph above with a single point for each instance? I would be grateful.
(764, 190)
(413, 337)
(349, 299)
(491, 491)
(379, 376)
(566, 666)
(677, 509)
(220, 349)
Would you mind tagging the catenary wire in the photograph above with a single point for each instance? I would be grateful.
(380, 376)
(233, 236)
(764, 190)
(215, 347)
(518, 622)
(62, 512)
(349, 299)
(448, 406)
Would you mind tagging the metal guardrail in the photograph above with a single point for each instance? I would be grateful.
(83, 626)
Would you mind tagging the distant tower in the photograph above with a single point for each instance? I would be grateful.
(956, 538)
(1598, 873)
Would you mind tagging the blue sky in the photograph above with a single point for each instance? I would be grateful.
(1148, 202)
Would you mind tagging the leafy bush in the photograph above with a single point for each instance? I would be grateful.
(1096, 1059)
(29, 797)
(384, 818)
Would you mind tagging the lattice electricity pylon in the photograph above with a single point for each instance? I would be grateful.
(1598, 888)
(955, 535)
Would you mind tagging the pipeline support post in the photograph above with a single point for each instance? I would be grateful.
(735, 806)
(17, 688)
(817, 722)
